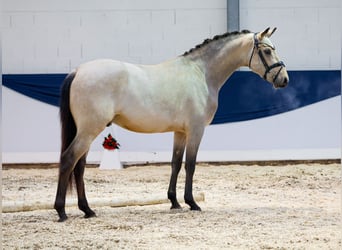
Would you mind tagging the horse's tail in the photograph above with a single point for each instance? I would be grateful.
(68, 126)
(67, 121)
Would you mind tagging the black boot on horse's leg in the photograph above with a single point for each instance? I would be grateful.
(82, 200)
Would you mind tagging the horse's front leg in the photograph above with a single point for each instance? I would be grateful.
(188, 196)
(176, 164)
(190, 164)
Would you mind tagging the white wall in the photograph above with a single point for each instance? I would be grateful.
(309, 30)
(55, 36)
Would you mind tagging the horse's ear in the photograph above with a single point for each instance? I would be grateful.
(263, 34)
(271, 33)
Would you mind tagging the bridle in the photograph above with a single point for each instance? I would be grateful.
(267, 67)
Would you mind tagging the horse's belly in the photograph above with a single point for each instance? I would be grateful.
(146, 124)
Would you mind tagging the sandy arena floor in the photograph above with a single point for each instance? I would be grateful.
(245, 207)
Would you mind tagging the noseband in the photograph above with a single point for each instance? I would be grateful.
(267, 67)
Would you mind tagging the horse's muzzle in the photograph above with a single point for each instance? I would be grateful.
(281, 82)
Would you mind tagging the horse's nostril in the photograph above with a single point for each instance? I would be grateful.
(286, 80)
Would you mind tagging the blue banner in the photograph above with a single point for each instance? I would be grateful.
(245, 96)
(42, 87)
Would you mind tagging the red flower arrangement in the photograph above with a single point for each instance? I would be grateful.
(110, 143)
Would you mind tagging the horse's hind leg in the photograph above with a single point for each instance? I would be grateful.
(63, 180)
(69, 158)
(67, 164)
(82, 200)
(178, 151)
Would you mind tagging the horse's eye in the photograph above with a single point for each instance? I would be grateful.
(267, 52)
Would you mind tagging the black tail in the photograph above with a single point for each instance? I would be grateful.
(67, 121)
(68, 125)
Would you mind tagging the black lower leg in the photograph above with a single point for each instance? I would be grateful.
(173, 199)
(82, 200)
(83, 206)
(60, 199)
(177, 158)
(60, 208)
(63, 181)
(191, 202)
(171, 193)
(188, 197)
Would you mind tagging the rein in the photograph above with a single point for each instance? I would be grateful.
(267, 67)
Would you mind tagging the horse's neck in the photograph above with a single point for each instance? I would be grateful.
(220, 60)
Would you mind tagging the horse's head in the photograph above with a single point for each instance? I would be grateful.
(265, 62)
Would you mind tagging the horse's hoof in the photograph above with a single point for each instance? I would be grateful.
(176, 207)
(63, 218)
(195, 208)
(89, 215)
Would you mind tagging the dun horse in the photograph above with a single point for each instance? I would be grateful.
(179, 95)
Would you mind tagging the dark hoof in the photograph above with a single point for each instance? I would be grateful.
(62, 215)
(195, 208)
(89, 215)
(62, 218)
(176, 207)
(193, 205)
(174, 203)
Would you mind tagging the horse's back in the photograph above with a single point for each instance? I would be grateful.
(101, 69)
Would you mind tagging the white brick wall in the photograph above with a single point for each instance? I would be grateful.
(100, 5)
(48, 36)
(309, 31)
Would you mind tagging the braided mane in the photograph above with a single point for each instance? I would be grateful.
(216, 38)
